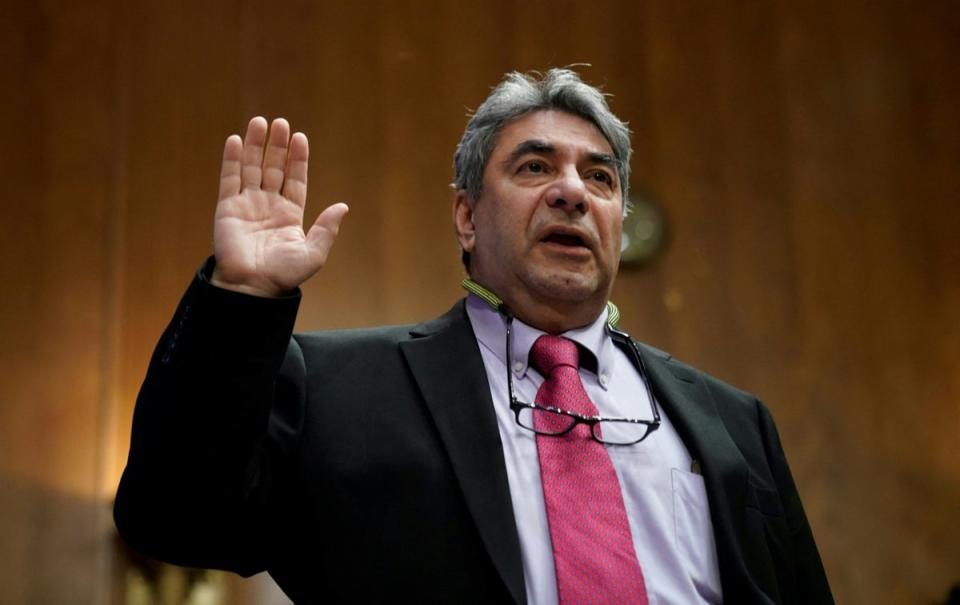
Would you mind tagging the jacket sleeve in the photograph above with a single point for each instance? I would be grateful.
(219, 409)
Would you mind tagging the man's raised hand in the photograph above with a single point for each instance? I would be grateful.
(258, 237)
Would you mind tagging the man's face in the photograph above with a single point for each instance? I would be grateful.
(546, 228)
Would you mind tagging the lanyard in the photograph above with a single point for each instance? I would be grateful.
(496, 303)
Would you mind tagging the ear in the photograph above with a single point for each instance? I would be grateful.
(463, 221)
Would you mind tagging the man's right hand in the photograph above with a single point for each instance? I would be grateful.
(258, 237)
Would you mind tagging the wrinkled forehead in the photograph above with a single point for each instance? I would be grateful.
(560, 129)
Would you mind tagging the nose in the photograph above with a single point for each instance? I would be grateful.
(568, 193)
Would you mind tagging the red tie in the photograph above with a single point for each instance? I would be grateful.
(592, 546)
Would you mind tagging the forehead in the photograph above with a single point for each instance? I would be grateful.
(565, 131)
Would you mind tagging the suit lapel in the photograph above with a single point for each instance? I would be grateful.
(446, 363)
(693, 411)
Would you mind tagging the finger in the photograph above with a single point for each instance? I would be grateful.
(324, 231)
(275, 156)
(295, 185)
(230, 168)
(250, 170)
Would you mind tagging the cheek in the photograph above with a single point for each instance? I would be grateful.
(613, 234)
(611, 225)
(493, 235)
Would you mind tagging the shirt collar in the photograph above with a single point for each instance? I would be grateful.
(489, 326)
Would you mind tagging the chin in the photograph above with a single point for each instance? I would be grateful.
(566, 286)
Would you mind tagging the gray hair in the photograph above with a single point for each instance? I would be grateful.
(519, 94)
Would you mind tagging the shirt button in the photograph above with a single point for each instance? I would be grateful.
(604, 379)
(518, 366)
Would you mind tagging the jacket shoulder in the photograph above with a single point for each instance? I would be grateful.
(687, 373)
(371, 340)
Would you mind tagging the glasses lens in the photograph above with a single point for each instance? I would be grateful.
(619, 432)
(544, 421)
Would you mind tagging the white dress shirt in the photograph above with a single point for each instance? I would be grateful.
(666, 503)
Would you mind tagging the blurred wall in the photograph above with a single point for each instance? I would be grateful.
(806, 156)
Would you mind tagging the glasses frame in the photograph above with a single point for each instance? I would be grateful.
(518, 406)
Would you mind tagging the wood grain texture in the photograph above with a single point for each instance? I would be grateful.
(805, 154)
(56, 158)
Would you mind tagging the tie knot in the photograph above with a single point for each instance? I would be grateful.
(548, 352)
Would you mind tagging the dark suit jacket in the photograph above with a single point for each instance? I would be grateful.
(365, 466)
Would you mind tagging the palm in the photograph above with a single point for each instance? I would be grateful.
(259, 241)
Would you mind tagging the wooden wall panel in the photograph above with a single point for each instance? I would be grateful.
(56, 158)
(805, 155)
(178, 82)
(870, 325)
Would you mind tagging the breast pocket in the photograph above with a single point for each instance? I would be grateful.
(693, 532)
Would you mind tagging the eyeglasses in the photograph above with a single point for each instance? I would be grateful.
(555, 422)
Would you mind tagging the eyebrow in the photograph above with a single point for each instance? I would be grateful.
(530, 146)
(545, 148)
(604, 158)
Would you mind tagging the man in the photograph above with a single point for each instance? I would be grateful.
(519, 448)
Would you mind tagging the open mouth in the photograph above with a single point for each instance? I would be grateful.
(565, 239)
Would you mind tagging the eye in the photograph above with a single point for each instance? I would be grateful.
(533, 166)
(601, 176)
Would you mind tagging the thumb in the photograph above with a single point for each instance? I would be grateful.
(324, 231)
